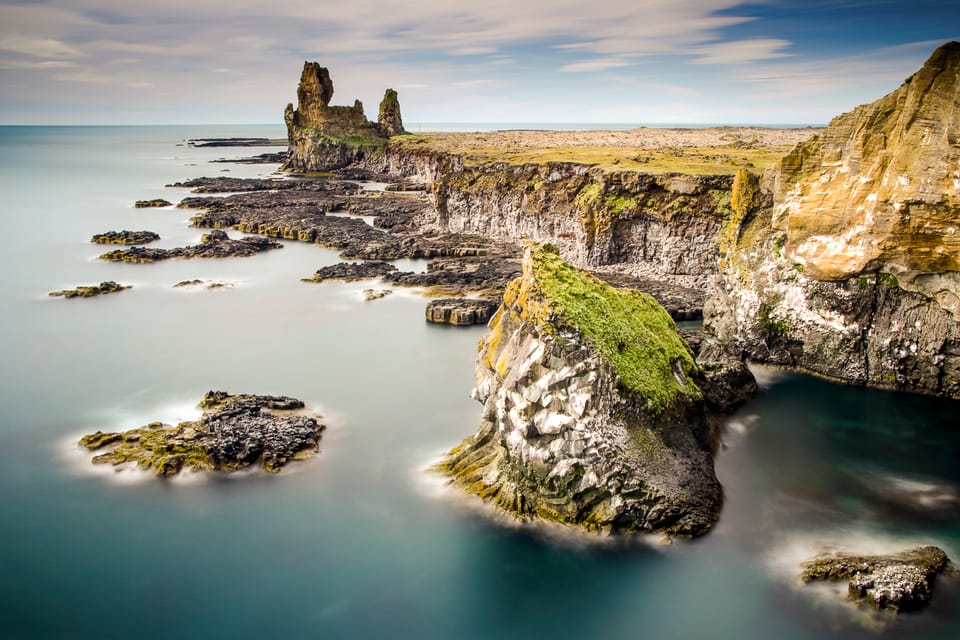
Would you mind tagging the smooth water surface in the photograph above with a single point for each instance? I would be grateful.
(360, 541)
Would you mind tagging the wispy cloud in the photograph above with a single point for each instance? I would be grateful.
(741, 51)
(595, 64)
(38, 46)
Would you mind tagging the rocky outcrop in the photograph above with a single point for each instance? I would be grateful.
(460, 311)
(207, 284)
(149, 204)
(92, 290)
(593, 415)
(125, 237)
(845, 260)
(216, 244)
(662, 227)
(244, 185)
(234, 432)
(322, 137)
(900, 581)
(352, 271)
(389, 121)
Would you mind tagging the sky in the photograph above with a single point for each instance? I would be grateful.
(561, 61)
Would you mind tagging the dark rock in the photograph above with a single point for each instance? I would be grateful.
(125, 237)
(223, 184)
(156, 202)
(350, 271)
(201, 283)
(234, 432)
(728, 383)
(89, 291)
(216, 244)
(263, 158)
(233, 142)
(899, 581)
(389, 120)
(460, 311)
(682, 303)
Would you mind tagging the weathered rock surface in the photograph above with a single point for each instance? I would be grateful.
(148, 204)
(592, 411)
(351, 271)
(216, 244)
(659, 227)
(241, 185)
(389, 120)
(92, 290)
(125, 237)
(234, 432)
(846, 260)
(323, 137)
(900, 581)
(461, 311)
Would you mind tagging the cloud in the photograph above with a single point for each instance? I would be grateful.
(596, 64)
(38, 47)
(37, 64)
(741, 51)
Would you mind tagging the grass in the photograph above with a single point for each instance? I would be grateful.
(629, 328)
(698, 160)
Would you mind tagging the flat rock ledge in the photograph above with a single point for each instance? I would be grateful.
(155, 203)
(89, 291)
(899, 581)
(461, 312)
(208, 284)
(234, 432)
(125, 237)
(352, 271)
(216, 244)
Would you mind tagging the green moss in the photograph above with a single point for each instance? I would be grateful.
(589, 196)
(630, 330)
(619, 204)
(770, 325)
(887, 280)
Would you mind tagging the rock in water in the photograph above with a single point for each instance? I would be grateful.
(324, 137)
(460, 311)
(148, 204)
(845, 260)
(125, 237)
(91, 290)
(592, 411)
(234, 432)
(899, 581)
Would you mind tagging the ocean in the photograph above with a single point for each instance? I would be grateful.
(362, 541)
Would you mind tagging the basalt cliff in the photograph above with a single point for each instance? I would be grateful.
(845, 260)
(323, 137)
(593, 412)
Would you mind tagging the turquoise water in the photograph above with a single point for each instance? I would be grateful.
(360, 542)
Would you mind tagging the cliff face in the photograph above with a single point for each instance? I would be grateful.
(657, 226)
(323, 137)
(852, 270)
(592, 411)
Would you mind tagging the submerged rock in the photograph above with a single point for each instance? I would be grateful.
(157, 202)
(593, 414)
(376, 294)
(899, 581)
(209, 284)
(125, 237)
(234, 432)
(460, 311)
(216, 244)
(92, 290)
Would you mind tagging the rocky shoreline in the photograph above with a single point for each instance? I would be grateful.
(216, 244)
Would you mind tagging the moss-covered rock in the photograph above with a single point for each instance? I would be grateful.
(592, 411)
(234, 432)
(88, 291)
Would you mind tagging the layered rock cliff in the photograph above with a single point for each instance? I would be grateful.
(323, 137)
(593, 414)
(656, 226)
(845, 260)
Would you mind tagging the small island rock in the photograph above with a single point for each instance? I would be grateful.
(92, 290)
(234, 432)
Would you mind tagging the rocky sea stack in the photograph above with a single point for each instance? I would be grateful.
(845, 259)
(592, 411)
(234, 432)
(324, 137)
